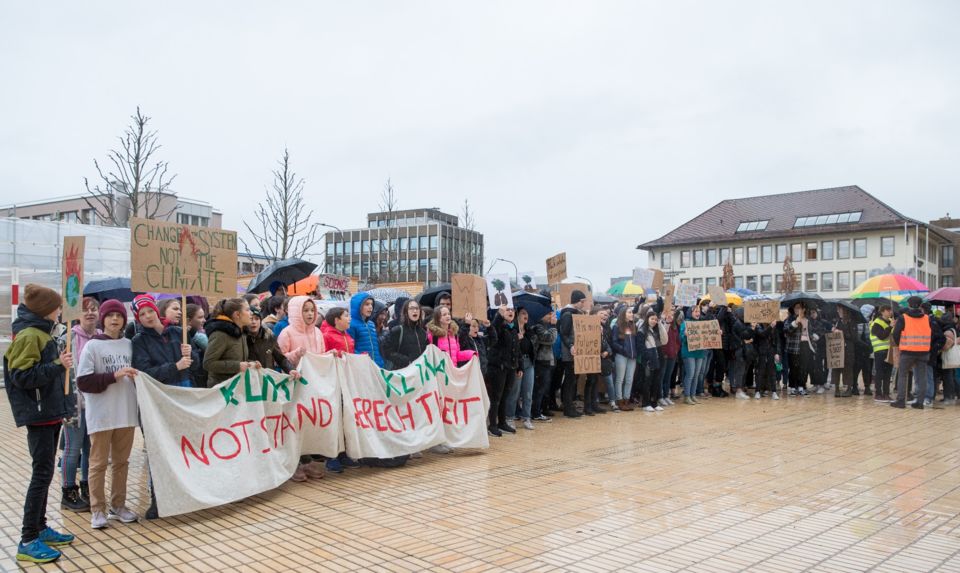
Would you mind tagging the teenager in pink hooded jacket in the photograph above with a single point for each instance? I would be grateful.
(443, 331)
(302, 335)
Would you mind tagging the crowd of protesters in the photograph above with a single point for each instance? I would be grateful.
(527, 364)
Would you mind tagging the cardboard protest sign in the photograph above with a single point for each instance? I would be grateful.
(703, 334)
(687, 294)
(430, 402)
(893, 356)
(469, 293)
(761, 311)
(566, 289)
(72, 278)
(717, 295)
(648, 278)
(586, 343)
(182, 259)
(528, 282)
(668, 291)
(557, 268)
(784, 314)
(208, 447)
(835, 350)
(498, 291)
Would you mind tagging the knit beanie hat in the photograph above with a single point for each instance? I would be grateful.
(576, 296)
(41, 300)
(112, 305)
(142, 301)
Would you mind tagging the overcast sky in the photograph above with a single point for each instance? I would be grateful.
(587, 127)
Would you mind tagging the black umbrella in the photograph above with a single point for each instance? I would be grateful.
(429, 296)
(809, 300)
(522, 296)
(112, 288)
(535, 311)
(852, 310)
(285, 272)
(601, 298)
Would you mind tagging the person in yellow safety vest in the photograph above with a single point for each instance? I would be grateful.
(881, 328)
(913, 333)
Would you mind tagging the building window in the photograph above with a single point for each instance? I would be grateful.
(811, 251)
(946, 256)
(738, 255)
(698, 258)
(752, 282)
(778, 282)
(766, 283)
(826, 281)
(833, 219)
(737, 282)
(665, 262)
(922, 277)
(858, 278)
(339, 248)
(329, 248)
(810, 282)
(711, 281)
(886, 246)
(843, 280)
(843, 249)
(781, 253)
(724, 256)
(796, 252)
(403, 243)
(711, 257)
(684, 259)
(826, 251)
(751, 255)
(347, 248)
(859, 248)
(699, 284)
(946, 281)
(766, 254)
(748, 226)
(433, 241)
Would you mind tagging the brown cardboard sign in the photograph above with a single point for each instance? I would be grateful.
(469, 293)
(586, 343)
(566, 289)
(717, 295)
(668, 291)
(761, 311)
(71, 278)
(182, 259)
(703, 334)
(835, 350)
(557, 268)
(648, 278)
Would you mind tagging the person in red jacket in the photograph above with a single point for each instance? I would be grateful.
(334, 329)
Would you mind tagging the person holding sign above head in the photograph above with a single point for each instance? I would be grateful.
(106, 379)
(34, 372)
(363, 327)
(406, 341)
(568, 390)
(504, 360)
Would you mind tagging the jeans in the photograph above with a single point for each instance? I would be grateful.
(692, 372)
(111, 446)
(707, 363)
(543, 375)
(76, 453)
(624, 369)
(737, 370)
(883, 372)
(42, 444)
(950, 384)
(522, 392)
(917, 363)
(666, 374)
(931, 384)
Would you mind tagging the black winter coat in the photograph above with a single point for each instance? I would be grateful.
(504, 350)
(157, 355)
(404, 344)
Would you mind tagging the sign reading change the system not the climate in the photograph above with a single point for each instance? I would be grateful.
(182, 259)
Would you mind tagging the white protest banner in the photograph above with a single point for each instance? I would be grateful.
(498, 291)
(687, 294)
(430, 402)
(208, 447)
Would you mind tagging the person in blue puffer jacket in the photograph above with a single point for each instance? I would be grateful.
(363, 328)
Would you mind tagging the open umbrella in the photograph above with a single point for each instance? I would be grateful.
(733, 299)
(285, 272)
(743, 292)
(948, 295)
(627, 288)
(808, 299)
(852, 310)
(387, 295)
(535, 310)
(522, 296)
(894, 287)
(105, 289)
(601, 298)
(429, 296)
(755, 296)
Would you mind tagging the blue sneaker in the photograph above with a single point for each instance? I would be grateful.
(53, 538)
(334, 465)
(348, 463)
(37, 552)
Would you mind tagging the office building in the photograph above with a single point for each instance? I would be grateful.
(76, 209)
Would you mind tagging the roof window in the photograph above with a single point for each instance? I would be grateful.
(748, 226)
(831, 219)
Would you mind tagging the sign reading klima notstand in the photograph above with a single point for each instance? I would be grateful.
(208, 447)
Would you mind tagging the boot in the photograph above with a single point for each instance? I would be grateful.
(70, 499)
(842, 394)
(625, 405)
(85, 491)
(152, 512)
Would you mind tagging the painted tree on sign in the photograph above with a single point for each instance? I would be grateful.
(500, 298)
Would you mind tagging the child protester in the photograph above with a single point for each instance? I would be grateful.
(105, 377)
(263, 347)
(334, 330)
(227, 351)
(34, 375)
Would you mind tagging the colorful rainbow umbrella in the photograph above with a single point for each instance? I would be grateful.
(733, 299)
(894, 287)
(627, 288)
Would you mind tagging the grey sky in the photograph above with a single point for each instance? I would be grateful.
(587, 127)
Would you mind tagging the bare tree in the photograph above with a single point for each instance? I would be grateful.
(469, 220)
(283, 226)
(136, 185)
(388, 205)
(470, 223)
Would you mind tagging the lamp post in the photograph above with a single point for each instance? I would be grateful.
(586, 279)
(516, 273)
(340, 231)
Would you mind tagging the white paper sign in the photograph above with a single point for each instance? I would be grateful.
(498, 291)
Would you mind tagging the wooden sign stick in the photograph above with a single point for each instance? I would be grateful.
(66, 377)
(183, 315)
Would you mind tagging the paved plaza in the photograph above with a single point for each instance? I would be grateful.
(803, 484)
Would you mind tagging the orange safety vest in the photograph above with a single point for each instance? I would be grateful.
(916, 334)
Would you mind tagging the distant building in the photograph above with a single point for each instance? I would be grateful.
(949, 263)
(75, 209)
(835, 238)
(249, 264)
(411, 246)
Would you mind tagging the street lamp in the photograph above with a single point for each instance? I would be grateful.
(516, 273)
(586, 279)
(334, 249)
